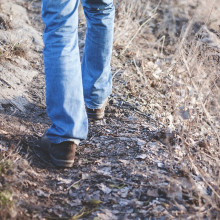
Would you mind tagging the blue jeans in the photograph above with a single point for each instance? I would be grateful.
(69, 85)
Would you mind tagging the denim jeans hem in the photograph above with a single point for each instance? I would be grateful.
(58, 140)
(97, 106)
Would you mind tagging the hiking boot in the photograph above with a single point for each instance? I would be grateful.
(62, 155)
(96, 114)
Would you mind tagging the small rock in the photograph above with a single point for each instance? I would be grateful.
(85, 176)
(175, 192)
(141, 156)
(159, 209)
(124, 202)
(63, 181)
(106, 171)
(40, 193)
(106, 215)
(125, 162)
(104, 188)
(140, 142)
(124, 192)
(160, 165)
(184, 113)
(75, 202)
(152, 193)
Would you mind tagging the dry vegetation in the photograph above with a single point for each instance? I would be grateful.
(170, 53)
(161, 143)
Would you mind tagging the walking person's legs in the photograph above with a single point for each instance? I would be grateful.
(64, 89)
(96, 69)
(64, 83)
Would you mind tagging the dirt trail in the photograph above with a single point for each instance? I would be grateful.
(121, 172)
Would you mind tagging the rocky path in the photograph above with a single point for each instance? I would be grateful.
(123, 171)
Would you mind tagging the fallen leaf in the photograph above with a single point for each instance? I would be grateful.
(94, 202)
(125, 162)
(85, 176)
(124, 192)
(107, 215)
(104, 188)
(141, 156)
(124, 202)
(40, 193)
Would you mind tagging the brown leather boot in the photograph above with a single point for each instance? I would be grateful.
(62, 155)
(97, 114)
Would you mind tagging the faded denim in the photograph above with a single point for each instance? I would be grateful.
(69, 85)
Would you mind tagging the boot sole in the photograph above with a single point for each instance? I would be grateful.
(61, 163)
(95, 116)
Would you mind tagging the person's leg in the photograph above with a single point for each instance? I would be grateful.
(64, 90)
(96, 71)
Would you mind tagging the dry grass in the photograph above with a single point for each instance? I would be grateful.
(10, 46)
(7, 169)
(10, 50)
(169, 55)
